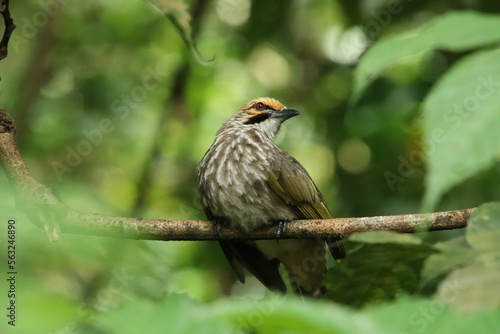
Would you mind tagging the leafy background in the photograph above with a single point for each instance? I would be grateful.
(117, 102)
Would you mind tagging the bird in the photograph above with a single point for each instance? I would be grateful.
(246, 182)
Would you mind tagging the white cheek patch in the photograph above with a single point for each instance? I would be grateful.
(269, 127)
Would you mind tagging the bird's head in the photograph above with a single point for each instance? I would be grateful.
(264, 114)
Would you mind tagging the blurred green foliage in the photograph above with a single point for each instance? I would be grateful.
(114, 111)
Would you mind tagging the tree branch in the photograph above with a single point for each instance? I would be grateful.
(45, 209)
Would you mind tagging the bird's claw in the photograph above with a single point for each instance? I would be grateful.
(281, 228)
(217, 222)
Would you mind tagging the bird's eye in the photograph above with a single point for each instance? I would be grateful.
(260, 106)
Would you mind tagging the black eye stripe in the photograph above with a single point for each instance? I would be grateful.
(257, 118)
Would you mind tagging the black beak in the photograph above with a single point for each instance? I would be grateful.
(285, 113)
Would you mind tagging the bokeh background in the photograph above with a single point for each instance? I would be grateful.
(114, 111)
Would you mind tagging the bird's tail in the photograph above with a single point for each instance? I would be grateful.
(306, 267)
(337, 249)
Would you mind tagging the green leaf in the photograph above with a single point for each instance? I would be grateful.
(277, 313)
(379, 237)
(376, 272)
(461, 124)
(483, 230)
(433, 316)
(483, 233)
(173, 314)
(475, 287)
(438, 265)
(455, 31)
(292, 314)
(33, 307)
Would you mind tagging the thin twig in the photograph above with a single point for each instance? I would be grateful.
(44, 208)
(9, 28)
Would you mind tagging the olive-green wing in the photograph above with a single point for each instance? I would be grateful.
(292, 183)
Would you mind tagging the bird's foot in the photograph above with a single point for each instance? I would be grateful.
(218, 222)
(281, 228)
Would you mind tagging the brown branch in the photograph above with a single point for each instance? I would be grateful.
(44, 208)
(9, 28)
(156, 229)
